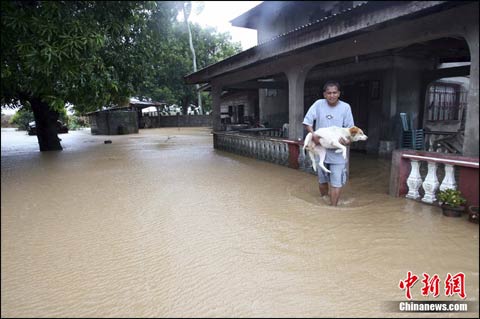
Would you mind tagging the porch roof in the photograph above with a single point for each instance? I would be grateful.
(364, 17)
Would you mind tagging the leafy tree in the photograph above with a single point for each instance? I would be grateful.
(97, 53)
(24, 116)
(21, 118)
(87, 53)
(173, 62)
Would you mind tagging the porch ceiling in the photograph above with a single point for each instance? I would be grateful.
(444, 49)
(440, 50)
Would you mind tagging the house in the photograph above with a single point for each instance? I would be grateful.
(390, 58)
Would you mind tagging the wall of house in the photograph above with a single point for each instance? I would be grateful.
(184, 121)
(273, 107)
(247, 99)
(114, 123)
(176, 121)
(406, 95)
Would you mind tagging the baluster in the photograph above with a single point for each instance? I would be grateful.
(276, 153)
(269, 150)
(285, 154)
(280, 153)
(449, 179)
(272, 152)
(284, 158)
(414, 180)
(260, 149)
(430, 184)
(266, 150)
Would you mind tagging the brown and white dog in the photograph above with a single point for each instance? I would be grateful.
(330, 138)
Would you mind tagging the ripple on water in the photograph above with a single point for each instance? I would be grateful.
(163, 225)
(309, 193)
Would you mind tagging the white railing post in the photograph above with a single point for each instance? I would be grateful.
(449, 179)
(414, 180)
(430, 184)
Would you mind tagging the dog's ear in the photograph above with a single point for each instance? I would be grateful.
(354, 130)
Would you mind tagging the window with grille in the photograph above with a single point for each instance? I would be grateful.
(446, 101)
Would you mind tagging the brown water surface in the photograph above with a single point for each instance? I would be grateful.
(159, 224)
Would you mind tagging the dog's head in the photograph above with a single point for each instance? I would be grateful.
(357, 134)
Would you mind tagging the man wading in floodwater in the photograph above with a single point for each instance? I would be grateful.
(330, 112)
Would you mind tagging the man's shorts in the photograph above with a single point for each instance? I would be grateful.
(337, 177)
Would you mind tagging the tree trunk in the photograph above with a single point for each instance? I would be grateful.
(46, 124)
(186, 14)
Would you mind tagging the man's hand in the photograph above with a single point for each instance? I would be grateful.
(344, 141)
(315, 138)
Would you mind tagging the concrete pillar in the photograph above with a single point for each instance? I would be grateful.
(296, 83)
(470, 144)
(216, 94)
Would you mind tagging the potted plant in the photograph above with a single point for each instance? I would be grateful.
(452, 202)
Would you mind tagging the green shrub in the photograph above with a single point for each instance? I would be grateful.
(22, 118)
(451, 197)
(76, 122)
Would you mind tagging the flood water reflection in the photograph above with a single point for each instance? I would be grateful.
(159, 224)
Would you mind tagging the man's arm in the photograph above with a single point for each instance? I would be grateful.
(315, 138)
(344, 142)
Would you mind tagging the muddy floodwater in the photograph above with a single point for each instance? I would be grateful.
(160, 224)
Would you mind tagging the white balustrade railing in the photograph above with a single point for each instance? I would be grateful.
(414, 180)
(263, 148)
(430, 184)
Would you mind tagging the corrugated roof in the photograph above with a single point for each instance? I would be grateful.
(312, 24)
